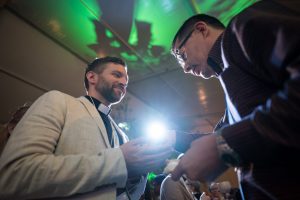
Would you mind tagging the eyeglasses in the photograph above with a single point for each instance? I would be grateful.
(182, 56)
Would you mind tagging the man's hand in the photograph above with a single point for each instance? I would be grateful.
(142, 157)
(201, 161)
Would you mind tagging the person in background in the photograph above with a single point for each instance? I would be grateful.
(184, 189)
(157, 181)
(256, 58)
(11, 124)
(204, 196)
(215, 192)
(71, 148)
(223, 190)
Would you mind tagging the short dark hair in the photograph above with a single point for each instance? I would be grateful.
(99, 64)
(190, 22)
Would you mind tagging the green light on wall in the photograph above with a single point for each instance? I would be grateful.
(154, 23)
(133, 40)
(223, 10)
(163, 17)
(115, 44)
(128, 57)
(108, 33)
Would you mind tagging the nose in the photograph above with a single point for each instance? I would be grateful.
(123, 82)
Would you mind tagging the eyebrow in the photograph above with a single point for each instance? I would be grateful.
(121, 73)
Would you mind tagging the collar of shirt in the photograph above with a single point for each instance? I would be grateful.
(214, 59)
(101, 107)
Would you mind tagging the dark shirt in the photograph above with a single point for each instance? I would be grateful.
(105, 119)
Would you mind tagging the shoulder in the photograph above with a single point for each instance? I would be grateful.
(53, 100)
(55, 95)
(265, 14)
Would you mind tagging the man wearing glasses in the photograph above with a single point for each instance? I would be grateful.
(256, 58)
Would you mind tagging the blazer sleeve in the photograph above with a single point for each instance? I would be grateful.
(29, 169)
(268, 33)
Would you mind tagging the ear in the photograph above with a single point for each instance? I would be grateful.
(91, 77)
(202, 28)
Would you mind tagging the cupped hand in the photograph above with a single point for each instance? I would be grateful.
(141, 156)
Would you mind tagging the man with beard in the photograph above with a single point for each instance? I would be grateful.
(71, 148)
(256, 59)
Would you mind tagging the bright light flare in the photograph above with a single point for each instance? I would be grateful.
(156, 131)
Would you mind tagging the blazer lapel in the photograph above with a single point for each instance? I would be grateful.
(95, 115)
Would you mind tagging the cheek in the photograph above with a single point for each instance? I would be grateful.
(199, 52)
(191, 55)
(194, 53)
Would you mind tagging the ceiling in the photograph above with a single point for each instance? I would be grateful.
(140, 32)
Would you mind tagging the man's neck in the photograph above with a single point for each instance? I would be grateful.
(214, 59)
(216, 34)
(99, 98)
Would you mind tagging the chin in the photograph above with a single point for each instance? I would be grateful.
(207, 74)
(118, 98)
(115, 101)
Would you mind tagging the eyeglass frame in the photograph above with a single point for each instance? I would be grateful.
(182, 56)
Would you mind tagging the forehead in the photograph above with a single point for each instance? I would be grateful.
(214, 187)
(114, 67)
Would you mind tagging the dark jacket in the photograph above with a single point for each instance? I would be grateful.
(261, 79)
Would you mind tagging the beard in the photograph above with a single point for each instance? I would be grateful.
(108, 92)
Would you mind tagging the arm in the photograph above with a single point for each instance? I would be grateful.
(30, 169)
(268, 34)
(183, 140)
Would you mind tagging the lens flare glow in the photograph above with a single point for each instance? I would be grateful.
(156, 131)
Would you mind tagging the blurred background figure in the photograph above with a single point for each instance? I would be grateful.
(222, 191)
(194, 188)
(204, 196)
(8, 128)
(157, 185)
(215, 192)
(184, 189)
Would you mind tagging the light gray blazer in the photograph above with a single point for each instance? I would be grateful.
(60, 148)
